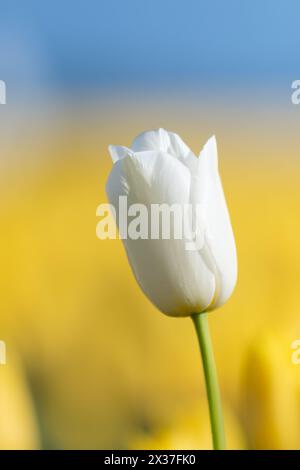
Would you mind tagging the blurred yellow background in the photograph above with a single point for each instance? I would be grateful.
(90, 362)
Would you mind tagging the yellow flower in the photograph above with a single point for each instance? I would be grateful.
(18, 428)
(269, 395)
(191, 431)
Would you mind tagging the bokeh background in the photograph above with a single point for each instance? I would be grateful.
(90, 362)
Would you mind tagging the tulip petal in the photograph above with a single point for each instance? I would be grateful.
(206, 189)
(177, 281)
(117, 152)
(151, 140)
(162, 140)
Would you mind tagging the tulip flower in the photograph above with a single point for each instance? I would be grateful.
(160, 169)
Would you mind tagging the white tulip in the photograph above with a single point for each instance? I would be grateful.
(160, 168)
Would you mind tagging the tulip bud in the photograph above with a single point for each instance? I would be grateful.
(160, 169)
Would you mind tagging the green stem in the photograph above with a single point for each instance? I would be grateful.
(211, 380)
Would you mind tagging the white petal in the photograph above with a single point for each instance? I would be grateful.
(151, 140)
(177, 281)
(177, 147)
(206, 189)
(117, 152)
(162, 140)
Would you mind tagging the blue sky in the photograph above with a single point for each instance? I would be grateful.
(123, 43)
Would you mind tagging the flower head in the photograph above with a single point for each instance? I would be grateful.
(160, 169)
